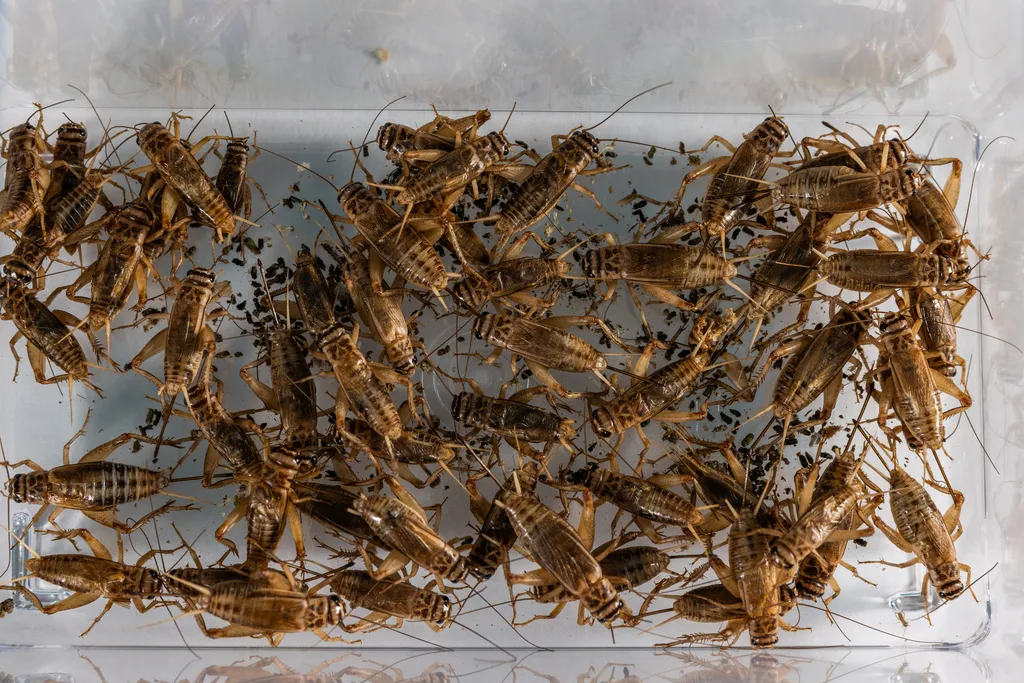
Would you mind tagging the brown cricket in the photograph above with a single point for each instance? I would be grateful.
(385, 598)
(92, 485)
(381, 312)
(653, 395)
(181, 171)
(924, 532)
(96, 577)
(497, 536)
(48, 333)
(187, 336)
(402, 525)
(734, 180)
(292, 391)
(557, 548)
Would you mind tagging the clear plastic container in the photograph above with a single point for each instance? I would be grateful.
(307, 78)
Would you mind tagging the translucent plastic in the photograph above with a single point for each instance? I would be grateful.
(317, 71)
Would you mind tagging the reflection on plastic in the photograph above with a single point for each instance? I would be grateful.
(437, 666)
(47, 593)
(803, 55)
(906, 676)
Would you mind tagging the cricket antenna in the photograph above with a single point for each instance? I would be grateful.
(40, 109)
(974, 177)
(907, 139)
(303, 167)
(621, 106)
(163, 568)
(509, 117)
(106, 131)
(266, 288)
(231, 131)
(367, 135)
(7, 466)
(189, 136)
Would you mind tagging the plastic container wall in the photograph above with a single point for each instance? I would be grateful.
(307, 76)
(799, 56)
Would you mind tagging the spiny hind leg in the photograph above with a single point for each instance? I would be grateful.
(103, 613)
(263, 392)
(37, 360)
(162, 510)
(74, 602)
(76, 323)
(516, 247)
(648, 530)
(565, 321)
(545, 377)
(709, 167)
(553, 614)
(666, 297)
(593, 197)
(14, 352)
(895, 565)
(322, 635)
(236, 515)
(389, 375)
(77, 435)
(153, 347)
(236, 631)
(948, 386)
(103, 451)
(836, 590)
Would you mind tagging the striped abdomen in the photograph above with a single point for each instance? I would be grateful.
(69, 211)
(20, 203)
(102, 485)
(114, 277)
(245, 604)
(456, 169)
(731, 187)
(30, 251)
(397, 598)
(231, 176)
(45, 330)
(265, 524)
(227, 437)
(649, 396)
(814, 527)
(938, 331)
(367, 396)
(931, 216)
(641, 498)
(838, 189)
(510, 419)
(545, 185)
(70, 148)
(185, 329)
(95, 576)
(405, 251)
(921, 524)
(556, 547)
(396, 140)
(181, 171)
(293, 386)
